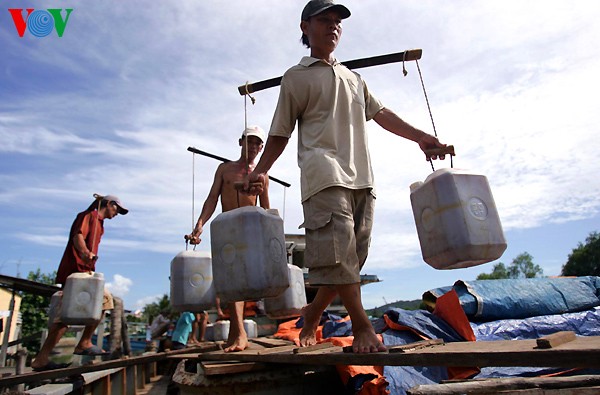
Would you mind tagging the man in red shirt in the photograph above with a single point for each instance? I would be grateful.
(80, 256)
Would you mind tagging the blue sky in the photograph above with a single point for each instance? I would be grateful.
(112, 106)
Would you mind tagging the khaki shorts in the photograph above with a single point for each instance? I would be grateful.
(56, 310)
(338, 223)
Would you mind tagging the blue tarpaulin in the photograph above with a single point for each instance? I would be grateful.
(512, 309)
(488, 300)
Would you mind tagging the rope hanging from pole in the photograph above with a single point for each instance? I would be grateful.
(428, 109)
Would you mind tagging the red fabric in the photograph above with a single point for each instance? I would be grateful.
(288, 331)
(91, 226)
(377, 386)
(448, 308)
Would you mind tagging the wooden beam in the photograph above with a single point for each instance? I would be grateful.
(269, 343)
(415, 345)
(225, 160)
(556, 339)
(582, 352)
(218, 368)
(493, 386)
(313, 348)
(405, 56)
(119, 363)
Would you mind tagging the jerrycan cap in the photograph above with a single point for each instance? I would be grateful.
(415, 185)
(273, 211)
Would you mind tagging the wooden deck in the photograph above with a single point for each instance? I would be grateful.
(581, 352)
(560, 350)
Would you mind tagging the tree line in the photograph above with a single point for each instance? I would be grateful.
(584, 260)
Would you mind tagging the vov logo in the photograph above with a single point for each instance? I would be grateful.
(40, 23)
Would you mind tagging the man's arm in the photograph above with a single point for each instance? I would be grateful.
(79, 242)
(273, 150)
(210, 204)
(264, 196)
(388, 120)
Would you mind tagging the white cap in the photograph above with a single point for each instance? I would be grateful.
(254, 131)
(112, 198)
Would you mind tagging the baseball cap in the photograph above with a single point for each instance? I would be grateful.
(254, 131)
(315, 7)
(112, 198)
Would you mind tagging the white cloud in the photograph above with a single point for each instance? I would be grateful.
(119, 286)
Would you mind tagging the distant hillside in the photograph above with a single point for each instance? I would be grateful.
(402, 304)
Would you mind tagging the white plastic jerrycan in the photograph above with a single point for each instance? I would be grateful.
(221, 330)
(192, 286)
(82, 299)
(251, 328)
(456, 218)
(55, 302)
(290, 303)
(248, 252)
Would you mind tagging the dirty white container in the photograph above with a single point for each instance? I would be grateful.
(83, 294)
(290, 303)
(251, 329)
(220, 330)
(192, 286)
(55, 302)
(248, 252)
(456, 218)
(209, 333)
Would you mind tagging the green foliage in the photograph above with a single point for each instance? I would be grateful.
(585, 259)
(499, 271)
(521, 267)
(402, 304)
(34, 310)
(153, 309)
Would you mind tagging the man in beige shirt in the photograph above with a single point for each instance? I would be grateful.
(331, 105)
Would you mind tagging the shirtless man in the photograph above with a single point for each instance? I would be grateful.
(226, 176)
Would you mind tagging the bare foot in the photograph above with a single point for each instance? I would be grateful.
(39, 362)
(236, 343)
(366, 341)
(308, 334)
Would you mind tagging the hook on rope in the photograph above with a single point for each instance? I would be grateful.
(404, 71)
(249, 95)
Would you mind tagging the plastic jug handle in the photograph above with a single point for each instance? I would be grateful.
(239, 185)
(447, 150)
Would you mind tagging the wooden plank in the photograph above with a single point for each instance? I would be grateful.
(409, 55)
(218, 368)
(269, 343)
(313, 348)
(406, 347)
(119, 363)
(556, 339)
(416, 345)
(582, 352)
(183, 356)
(277, 350)
(493, 386)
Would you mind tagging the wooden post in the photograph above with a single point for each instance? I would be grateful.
(7, 326)
(125, 335)
(116, 322)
